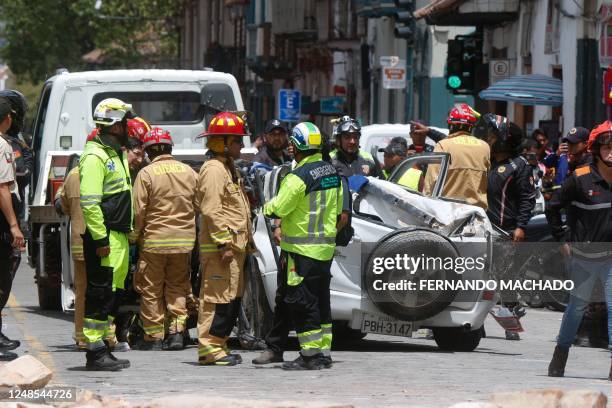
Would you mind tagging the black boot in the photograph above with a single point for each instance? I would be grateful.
(124, 363)
(305, 363)
(8, 344)
(100, 360)
(174, 341)
(152, 345)
(7, 355)
(268, 356)
(556, 368)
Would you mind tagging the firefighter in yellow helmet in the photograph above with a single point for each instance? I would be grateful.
(225, 239)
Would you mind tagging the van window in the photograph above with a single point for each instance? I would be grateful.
(37, 129)
(160, 107)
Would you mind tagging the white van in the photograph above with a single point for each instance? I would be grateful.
(180, 101)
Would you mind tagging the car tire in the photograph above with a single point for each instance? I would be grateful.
(413, 305)
(457, 338)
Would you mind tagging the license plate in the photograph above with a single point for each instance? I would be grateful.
(385, 325)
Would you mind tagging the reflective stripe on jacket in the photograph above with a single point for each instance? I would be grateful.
(309, 202)
(226, 217)
(164, 206)
(69, 195)
(106, 192)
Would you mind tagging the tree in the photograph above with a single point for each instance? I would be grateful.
(44, 35)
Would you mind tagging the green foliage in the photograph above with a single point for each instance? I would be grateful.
(44, 35)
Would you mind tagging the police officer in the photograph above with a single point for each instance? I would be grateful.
(587, 197)
(11, 237)
(274, 151)
(309, 203)
(510, 189)
(107, 210)
(24, 159)
(347, 158)
(225, 239)
(164, 218)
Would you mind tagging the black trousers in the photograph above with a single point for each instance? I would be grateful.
(9, 263)
(282, 325)
(99, 297)
(308, 303)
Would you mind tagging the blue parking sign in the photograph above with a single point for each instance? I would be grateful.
(289, 105)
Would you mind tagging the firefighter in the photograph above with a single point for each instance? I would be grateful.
(348, 158)
(107, 210)
(164, 227)
(309, 203)
(466, 178)
(587, 197)
(225, 238)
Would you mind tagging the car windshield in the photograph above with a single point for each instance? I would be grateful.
(160, 107)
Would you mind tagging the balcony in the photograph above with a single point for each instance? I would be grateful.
(296, 19)
(469, 12)
(374, 8)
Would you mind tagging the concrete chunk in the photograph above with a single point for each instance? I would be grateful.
(25, 372)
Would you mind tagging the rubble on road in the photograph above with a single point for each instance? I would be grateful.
(25, 372)
(541, 398)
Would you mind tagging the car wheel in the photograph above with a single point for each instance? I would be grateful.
(456, 338)
(411, 305)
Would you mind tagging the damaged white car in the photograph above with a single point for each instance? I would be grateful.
(388, 220)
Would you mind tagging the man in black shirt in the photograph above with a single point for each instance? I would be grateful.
(586, 195)
(274, 151)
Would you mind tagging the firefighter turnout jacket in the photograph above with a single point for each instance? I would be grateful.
(164, 206)
(69, 196)
(309, 202)
(466, 178)
(226, 220)
(587, 198)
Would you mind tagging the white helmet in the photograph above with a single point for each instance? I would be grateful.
(110, 111)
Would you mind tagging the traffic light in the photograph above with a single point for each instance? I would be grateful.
(404, 22)
(463, 57)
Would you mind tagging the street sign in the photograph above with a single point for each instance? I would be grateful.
(333, 105)
(393, 72)
(289, 105)
(498, 70)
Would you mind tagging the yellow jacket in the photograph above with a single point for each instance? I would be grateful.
(226, 217)
(69, 195)
(164, 206)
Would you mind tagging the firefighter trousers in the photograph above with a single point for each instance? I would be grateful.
(161, 280)
(104, 276)
(308, 301)
(220, 296)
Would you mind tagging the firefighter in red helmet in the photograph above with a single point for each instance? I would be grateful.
(225, 238)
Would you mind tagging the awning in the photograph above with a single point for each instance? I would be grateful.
(527, 90)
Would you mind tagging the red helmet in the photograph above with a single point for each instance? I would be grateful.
(226, 124)
(156, 136)
(92, 135)
(463, 114)
(596, 135)
(138, 128)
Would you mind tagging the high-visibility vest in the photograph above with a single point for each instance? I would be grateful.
(106, 193)
(411, 179)
(309, 202)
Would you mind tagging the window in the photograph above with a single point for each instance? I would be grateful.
(160, 107)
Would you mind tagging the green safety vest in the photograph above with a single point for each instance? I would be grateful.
(106, 192)
(308, 202)
(411, 179)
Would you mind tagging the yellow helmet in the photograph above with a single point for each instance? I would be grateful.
(110, 111)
